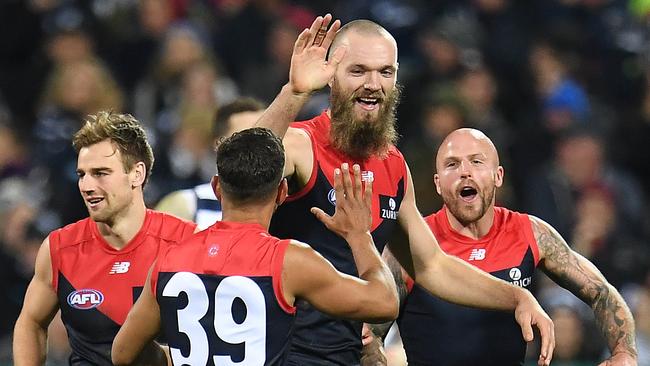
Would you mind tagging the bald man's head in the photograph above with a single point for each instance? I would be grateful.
(467, 175)
(463, 141)
(362, 27)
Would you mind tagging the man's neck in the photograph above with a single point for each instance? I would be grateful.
(252, 214)
(125, 226)
(476, 229)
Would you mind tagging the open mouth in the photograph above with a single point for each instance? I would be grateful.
(93, 202)
(468, 194)
(368, 104)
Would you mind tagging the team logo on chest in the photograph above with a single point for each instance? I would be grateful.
(366, 176)
(85, 299)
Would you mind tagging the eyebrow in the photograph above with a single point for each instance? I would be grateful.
(96, 170)
(366, 67)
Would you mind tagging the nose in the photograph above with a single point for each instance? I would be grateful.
(465, 169)
(372, 81)
(86, 185)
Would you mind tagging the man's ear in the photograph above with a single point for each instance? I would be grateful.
(498, 177)
(216, 186)
(138, 174)
(436, 182)
(283, 192)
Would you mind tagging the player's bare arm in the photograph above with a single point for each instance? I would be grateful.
(456, 281)
(298, 158)
(372, 297)
(309, 72)
(380, 330)
(39, 307)
(134, 344)
(575, 273)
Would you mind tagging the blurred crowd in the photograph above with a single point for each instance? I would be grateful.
(561, 86)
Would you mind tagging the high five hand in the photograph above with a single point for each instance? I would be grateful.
(353, 203)
(310, 71)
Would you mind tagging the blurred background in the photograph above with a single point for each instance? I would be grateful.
(561, 86)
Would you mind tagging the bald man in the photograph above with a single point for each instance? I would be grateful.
(508, 245)
(359, 128)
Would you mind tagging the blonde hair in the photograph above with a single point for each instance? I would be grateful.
(124, 132)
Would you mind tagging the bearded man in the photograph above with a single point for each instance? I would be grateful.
(359, 128)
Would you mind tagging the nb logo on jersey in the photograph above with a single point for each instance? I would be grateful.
(367, 176)
(477, 255)
(120, 267)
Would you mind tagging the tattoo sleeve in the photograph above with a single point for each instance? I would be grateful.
(578, 275)
(380, 330)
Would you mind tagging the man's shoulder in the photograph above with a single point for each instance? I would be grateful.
(73, 234)
(169, 227)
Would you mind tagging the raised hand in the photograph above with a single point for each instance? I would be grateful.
(353, 204)
(309, 69)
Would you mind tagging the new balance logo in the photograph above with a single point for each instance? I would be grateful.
(120, 267)
(477, 255)
(367, 176)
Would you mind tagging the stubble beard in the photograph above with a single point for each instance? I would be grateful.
(464, 215)
(366, 137)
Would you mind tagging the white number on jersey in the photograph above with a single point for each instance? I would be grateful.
(251, 332)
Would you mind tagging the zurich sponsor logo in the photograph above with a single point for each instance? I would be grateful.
(85, 299)
(331, 196)
(515, 274)
(391, 204)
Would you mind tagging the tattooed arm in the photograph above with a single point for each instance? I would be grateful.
(578, 275)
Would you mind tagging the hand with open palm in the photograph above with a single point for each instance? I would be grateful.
(310, 71)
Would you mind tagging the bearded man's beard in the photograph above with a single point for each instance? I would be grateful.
(362, 138)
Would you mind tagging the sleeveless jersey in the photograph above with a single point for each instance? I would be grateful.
(97, 284)
(221, 300)
(435, 332)
(318, 338)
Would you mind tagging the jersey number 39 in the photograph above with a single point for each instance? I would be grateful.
(251, 332)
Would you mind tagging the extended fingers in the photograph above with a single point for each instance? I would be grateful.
(322, 30)
(357, 185)
(301, 42)
(315, 27)
(348, 188)
(547, 334)
(331, 33)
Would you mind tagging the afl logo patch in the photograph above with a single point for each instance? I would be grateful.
(331, 196)
(515, 274)
(85, 299)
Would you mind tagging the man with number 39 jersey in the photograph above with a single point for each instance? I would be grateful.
(226, 296)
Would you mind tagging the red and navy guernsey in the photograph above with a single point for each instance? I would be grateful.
(221, 299)
(435, 332)
(318, 338)
(97, 284)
